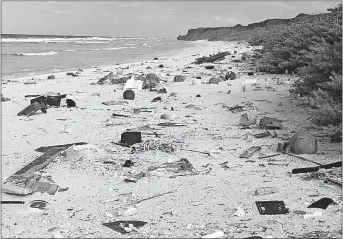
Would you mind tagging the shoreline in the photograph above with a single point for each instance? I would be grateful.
(195, 44)
(199, 204)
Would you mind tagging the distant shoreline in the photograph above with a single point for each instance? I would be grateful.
(7, 35)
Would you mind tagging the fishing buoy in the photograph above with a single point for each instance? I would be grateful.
(129, 95)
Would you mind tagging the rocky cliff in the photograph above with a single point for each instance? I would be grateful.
(240, 32)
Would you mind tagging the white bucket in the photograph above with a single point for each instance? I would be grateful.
(196, 82)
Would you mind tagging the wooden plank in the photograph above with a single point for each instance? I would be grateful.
(45, 149)
(36, 164)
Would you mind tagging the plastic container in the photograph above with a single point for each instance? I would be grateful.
(216, 234)
(265, 191)
(196, 82)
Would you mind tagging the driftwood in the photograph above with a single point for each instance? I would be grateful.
(213, 58)
(158, 195)
(315, 169)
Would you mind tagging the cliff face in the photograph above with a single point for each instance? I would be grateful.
(239, 32)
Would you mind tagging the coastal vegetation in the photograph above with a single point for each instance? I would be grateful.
(312, 49)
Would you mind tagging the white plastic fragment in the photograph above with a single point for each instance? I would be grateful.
(239, 212)
(131, 211)
(315, 214)
(216, 234)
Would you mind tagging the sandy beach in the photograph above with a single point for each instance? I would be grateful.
(198, 204)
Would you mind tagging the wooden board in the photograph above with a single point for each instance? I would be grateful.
(45, 149)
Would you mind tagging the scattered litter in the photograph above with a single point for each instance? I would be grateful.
(236, 109)
(130, 212)
(271, 207)
(162, 91)
(270, 123)
(128, 164)
(315, 214)
(129, 95)
(112, 102)
(130, 138)
(245, 120)
(165, 116)
(179, 78)
(42, 187)
(119, 115)
(151, 81)
(70, 103)
(262, 135)
(135, 178)
(272, 133)
(45, 149)
(250, 152)
(51, 77)
(33, 108)
(15, 190)
(166, 124)
(315, 169)
(63, 189)
(212, 58)
(230, 76)
(281, 147)
(155, 196)
(216, 234)
(12, 202)
(196, 81)
(265, 191)
(303, 143)
(166, 147)
(156, 99)
(322, 203)
(71, 74)
(40, 204)
(239, 212)
(4, 99)
(124, 227)
(174, 169)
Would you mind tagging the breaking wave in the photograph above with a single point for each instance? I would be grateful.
(86, 40)
(49, 53)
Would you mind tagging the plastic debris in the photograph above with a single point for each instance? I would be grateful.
(130, 138)
(271, 207)
(265, 191)
(270, 123)
(216, 234)
(239, 212)
(322, 203)
(129, 95)
(40, 204)
(124, 227)
(250, 152)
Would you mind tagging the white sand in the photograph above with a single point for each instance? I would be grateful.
(200, 204)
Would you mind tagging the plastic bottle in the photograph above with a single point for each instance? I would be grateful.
(265, 190)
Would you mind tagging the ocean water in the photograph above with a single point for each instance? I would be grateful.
(26, 55)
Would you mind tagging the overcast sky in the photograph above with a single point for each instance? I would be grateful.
(143, 18)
